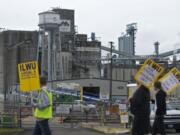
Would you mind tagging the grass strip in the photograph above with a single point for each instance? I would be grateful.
(8, 131)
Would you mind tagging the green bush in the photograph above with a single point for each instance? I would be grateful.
(8, 120)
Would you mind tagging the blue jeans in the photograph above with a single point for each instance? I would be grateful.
(42, 128)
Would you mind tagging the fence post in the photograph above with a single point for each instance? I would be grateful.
(19, 105)
(102, 116)
(71, 110)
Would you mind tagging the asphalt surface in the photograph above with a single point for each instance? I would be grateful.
(79, 131)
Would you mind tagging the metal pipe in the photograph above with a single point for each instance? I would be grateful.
(110, 75)
(49, 57)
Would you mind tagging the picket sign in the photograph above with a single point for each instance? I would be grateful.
(29, 76)
(148, 73)
(171, 80)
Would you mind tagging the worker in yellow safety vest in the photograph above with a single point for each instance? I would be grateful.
(42, 109)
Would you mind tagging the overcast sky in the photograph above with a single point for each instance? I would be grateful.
(158, 20)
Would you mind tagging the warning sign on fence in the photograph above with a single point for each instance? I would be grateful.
(124, 117)
(171, 80)
(63, 109)
(148, 73)
(29, 76)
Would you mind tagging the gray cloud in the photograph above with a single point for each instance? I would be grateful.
(157, 19)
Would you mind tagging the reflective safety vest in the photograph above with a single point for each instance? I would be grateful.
(45, 113)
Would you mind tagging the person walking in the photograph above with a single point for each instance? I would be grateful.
(42, 109)
(158, 125)
(140, 108)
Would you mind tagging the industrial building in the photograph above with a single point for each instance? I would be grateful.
(64, 54)
(126, 42)
(101, 87)
(61, 52)
(84, 56)
(120, 72)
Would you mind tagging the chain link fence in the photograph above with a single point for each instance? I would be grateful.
(65, 114)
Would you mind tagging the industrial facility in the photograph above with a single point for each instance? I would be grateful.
(64, 54)
(61, 51)
(89, 67)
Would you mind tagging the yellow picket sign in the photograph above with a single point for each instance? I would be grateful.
(171, 80)
(29, 76)
(124, 117)
(148, 73)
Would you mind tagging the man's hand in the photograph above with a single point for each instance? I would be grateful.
(34, 104)
(128, 100)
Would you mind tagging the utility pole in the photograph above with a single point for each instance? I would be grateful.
(110, 75)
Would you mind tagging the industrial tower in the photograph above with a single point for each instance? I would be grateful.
(48, 29)
(127, 41)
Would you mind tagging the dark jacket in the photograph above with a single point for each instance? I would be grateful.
(161, 102)
(140, 102)
(141, 109)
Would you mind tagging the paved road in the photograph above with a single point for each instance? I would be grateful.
(68, 131)
(78, 131)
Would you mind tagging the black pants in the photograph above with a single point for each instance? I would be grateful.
(158, 125)
(42, 128)
(141, 125)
